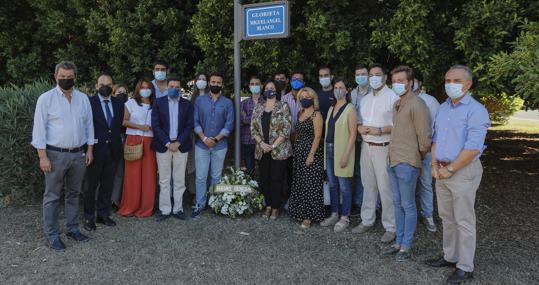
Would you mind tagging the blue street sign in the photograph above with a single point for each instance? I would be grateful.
(266, 20)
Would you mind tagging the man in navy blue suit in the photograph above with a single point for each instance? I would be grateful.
(108, 113)
(172, 125)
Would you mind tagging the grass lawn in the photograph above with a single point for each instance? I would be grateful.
(215, 249)
(521, 125)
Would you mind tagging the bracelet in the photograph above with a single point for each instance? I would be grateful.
(273, 146)
(204, 139)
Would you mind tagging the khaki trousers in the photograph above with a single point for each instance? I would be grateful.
(374, 163)
(456, 199)
(171, 163)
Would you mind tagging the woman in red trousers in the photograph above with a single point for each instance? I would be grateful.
(140, 178)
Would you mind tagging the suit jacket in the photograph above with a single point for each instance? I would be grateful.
(161, 124)
(109, 140)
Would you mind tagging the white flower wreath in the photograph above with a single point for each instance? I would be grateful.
(236, 195)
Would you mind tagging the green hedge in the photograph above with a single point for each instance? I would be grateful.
(21, 178)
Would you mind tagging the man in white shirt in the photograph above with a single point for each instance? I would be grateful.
(424, 187)
(63, 135)
(377, 113)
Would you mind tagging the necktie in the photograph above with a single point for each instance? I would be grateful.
(108, 115)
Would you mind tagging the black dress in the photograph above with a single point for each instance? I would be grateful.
(307, 194)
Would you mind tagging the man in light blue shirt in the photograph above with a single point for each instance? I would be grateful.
(160, 70)
(214, 121)
(459, 135)
(172, 125)
(63, 135)
(361, 75)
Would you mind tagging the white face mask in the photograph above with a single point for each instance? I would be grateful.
(399, 88)
(201, 84)
(325, 82)
(376, 82)
(453, 90)
(339, 93)
(145, 93)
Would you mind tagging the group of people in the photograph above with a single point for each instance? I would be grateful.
(373, 145)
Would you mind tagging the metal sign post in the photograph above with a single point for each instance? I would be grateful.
(255, 21)
(237, 79)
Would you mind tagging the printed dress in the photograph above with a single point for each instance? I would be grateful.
(307, 196)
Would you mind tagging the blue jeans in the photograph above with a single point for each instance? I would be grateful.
(203, 159)
(424, 187)
(338, 186)
(403, 179)
(248, 152)
(358, 194)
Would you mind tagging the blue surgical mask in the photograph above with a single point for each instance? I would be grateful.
(325, 81)
(376, 82)
(255, 89)
(399, 88)
(201, 84)
(453, 90)
(297, 84)
(145, 93)
(160, 75)
(362, 80)
(173, 93)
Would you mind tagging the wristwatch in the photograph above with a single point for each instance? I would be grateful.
(450, 169)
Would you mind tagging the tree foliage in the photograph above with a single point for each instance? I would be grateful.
(122, 36)
(125, 36)
(517, 71)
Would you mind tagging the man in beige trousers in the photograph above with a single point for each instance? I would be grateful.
(376, 110)
(460, 128)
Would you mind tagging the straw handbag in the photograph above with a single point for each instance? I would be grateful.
(134, 152)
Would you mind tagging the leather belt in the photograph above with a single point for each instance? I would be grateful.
(378, 144)
(443, 163)
(70, 150)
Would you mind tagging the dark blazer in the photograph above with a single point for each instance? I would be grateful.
(161, 125)
(109, 140)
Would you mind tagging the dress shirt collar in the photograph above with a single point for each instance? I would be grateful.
(465, 100)
(62, 92)
(103, 98)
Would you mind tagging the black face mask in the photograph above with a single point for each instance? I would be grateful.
(269, 94)
(215, 89)
(66, 84)
(306, 103)
(105, 91)
(281, 84)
